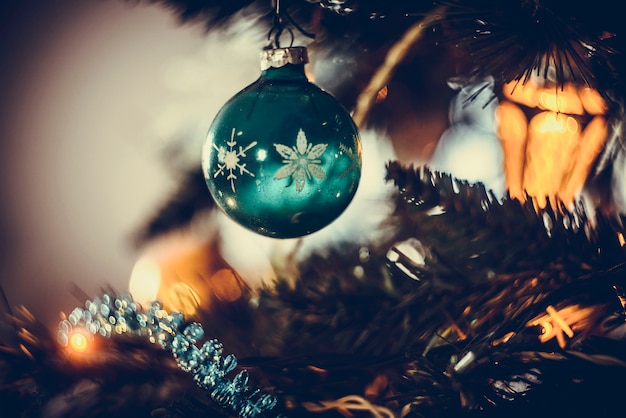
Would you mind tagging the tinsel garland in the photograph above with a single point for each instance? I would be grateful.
(111, 315)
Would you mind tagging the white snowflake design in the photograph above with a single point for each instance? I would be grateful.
(229, 161)
(301, 162)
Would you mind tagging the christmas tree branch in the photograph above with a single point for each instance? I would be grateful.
(395, 56)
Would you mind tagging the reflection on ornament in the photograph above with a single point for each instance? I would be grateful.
(282, 157)
(551, 136)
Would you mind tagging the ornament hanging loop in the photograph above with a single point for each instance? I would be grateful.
(283, 22)
(273, 37)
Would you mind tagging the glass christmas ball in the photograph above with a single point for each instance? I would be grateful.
(282, 157)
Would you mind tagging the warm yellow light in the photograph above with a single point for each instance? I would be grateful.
(173, 271)
(525, 94)
(552, 138)
(553, 123)
(549, 158)
(592, 101)
(145, 280)
(186, 273)
(558, 319)
(504, 339)
(589, 146)
(561, 99)
(78, 342)
(557, 324)
(180, 296)
(512, 131)
(226, 285)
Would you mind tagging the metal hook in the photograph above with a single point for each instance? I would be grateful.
(280, 15)
(275, 43)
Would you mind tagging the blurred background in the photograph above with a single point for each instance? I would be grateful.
(91, 99)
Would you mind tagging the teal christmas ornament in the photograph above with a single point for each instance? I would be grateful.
(282, 157)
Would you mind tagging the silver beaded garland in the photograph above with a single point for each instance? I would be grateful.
(111, 315)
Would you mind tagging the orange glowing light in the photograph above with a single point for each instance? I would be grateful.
(525, 94)
(382, 94)
(561, 100)
(226, 285)
(557, 324)
(512, 131)
(558, 319)
(26, 351)
(592, 101)
(183, 297)
(78, 342)
(590, 144)
(552, 138)
(504, 339)
(187, 274)
(549, 155)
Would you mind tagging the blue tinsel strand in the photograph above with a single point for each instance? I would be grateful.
(111, 315)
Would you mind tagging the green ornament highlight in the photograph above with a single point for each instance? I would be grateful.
(282, 157)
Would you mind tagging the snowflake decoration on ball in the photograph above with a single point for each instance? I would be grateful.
(229, 161)
(302, 161)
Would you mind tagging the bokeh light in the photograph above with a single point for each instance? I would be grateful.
(78, 342)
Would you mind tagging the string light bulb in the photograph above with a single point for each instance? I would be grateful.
(78, 342)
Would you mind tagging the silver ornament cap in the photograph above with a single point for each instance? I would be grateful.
(278, 57)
